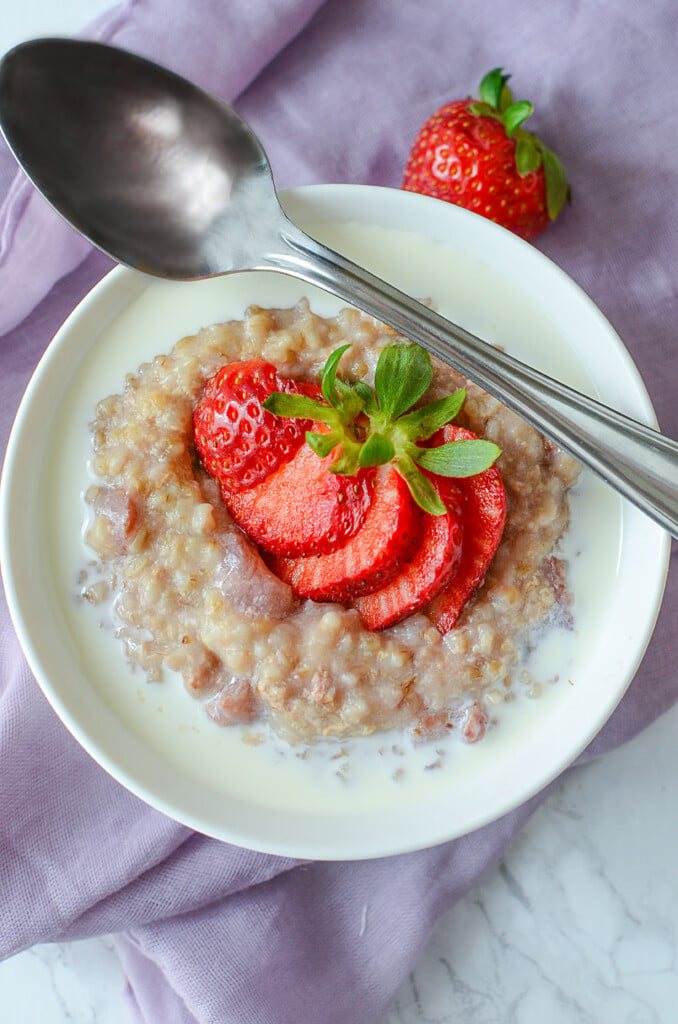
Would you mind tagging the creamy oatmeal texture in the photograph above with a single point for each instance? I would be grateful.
(191, 593)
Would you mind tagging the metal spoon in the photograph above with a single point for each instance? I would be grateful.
(170, 180)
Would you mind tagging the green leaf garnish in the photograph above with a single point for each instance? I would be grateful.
(494, 90)
(423, 422)
(347, 462)
(351, 402)
(557, 187)
(404, 373)
(374, 427)
(329, 375)
(323, 444)
(376, 451)
(516, 114)
(299, 407)
(366, 395)
(421, 488)
(528, 154)
(459, 458)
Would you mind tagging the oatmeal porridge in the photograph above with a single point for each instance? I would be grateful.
(192, 594)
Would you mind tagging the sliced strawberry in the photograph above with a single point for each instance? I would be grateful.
(238, 441)
(429, 570)
(484, 519)
(388, 537)
(302, 508)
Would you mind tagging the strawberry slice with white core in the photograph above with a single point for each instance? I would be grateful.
(389, 535)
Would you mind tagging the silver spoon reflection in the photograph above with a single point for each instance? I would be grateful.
(168, 179)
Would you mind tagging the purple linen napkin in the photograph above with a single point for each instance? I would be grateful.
(337, 90)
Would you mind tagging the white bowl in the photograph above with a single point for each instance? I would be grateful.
(158, 742)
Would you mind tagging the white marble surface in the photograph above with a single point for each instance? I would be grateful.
(578, 923)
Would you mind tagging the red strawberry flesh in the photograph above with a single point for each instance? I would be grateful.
(360, 540)
(470, 161)
(478, 154)
(432, 565)
(238, 441)
(303, 508)
(484, 520)
(387, 538)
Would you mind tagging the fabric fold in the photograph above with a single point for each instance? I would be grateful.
(341, 939)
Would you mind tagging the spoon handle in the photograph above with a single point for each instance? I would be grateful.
(639, 462)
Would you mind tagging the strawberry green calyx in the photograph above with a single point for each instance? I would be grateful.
(496, 101)
(372, 427)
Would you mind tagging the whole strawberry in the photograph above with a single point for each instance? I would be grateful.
(476, 154)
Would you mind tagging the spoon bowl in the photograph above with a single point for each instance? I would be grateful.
(167, 179)
(149, 168)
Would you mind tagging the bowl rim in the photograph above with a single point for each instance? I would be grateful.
(328, 201)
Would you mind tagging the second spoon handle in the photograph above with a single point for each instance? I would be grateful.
(639, 462)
